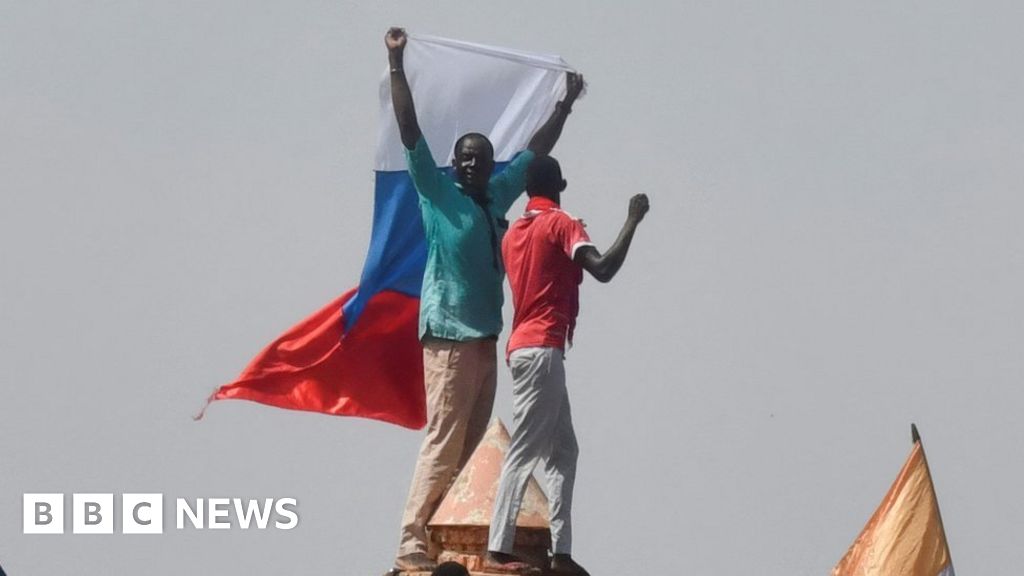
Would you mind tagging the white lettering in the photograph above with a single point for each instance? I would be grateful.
(292, 515)
(253, 510)
(219, 509)
(194, 516)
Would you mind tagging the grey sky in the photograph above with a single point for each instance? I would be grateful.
(834, 250)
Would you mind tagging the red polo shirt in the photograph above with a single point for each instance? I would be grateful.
(538, 251)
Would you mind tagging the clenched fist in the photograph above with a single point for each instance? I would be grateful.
(638, 207)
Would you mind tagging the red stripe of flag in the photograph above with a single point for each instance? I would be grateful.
(374, 371)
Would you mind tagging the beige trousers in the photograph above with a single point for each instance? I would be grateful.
(460, 378)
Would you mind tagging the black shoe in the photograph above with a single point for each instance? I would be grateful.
(501, 563)
(564, 565)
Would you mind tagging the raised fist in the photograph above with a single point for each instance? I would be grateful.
(638, 207)
(395, 39)
(573, 86)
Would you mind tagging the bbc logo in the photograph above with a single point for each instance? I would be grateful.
(93, 513)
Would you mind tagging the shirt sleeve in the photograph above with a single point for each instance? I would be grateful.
(570, 235)
(423, 171)
(506, 187)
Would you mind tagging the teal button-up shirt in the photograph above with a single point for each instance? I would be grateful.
(462, 295)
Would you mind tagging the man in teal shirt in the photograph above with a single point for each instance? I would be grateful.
(461, 298)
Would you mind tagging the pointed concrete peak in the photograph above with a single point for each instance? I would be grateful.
(470, 500)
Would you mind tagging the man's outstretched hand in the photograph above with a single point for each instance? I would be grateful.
(395, 40)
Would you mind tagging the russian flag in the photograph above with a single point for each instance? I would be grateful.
(360, 354)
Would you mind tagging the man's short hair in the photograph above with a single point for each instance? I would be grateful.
(450, 569)
(543, 175)
(474, 136)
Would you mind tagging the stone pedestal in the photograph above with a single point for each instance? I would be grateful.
(459, 527)
(468, 545)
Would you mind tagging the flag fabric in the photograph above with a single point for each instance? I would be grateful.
(905, 536)
(360, 355)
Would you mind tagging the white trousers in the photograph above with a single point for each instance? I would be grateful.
(542, 431)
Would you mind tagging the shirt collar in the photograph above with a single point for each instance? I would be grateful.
(540, 204)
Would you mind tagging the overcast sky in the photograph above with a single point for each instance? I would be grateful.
(834, 250)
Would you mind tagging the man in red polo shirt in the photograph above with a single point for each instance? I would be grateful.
(545, 254)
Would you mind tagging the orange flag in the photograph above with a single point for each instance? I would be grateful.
(904, 537)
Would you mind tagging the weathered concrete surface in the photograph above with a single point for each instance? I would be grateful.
(458, 529)
(470, 500)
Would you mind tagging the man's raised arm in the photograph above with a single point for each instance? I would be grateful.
(547, 135)
(401, 95)
(604, 267)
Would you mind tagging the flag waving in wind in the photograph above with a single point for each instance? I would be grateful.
(905, 536)
(360, 354)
